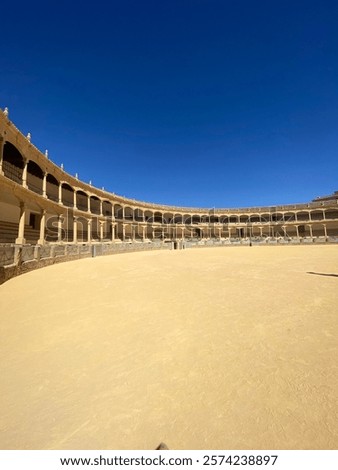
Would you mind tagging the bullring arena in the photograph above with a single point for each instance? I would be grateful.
(215, 329)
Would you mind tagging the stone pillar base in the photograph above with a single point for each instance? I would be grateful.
(20, 241)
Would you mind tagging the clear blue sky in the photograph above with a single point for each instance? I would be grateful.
(188, 102)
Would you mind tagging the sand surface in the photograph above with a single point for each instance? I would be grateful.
(216, 348)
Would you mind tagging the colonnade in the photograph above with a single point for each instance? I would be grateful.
(50, 205)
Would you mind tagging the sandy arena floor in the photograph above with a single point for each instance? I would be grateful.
(217, 348)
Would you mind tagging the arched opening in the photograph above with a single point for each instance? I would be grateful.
(148, 216)
(82, 229)
(277, 217)
(94, 205)
(138, 215)
(158, 217)
(178, 219)
(233, 219)
(317, 215)
(167, 218)
(107, 209)
(254, 218)
(265, 218)
(223, 219)
(67, 195)
(13, 163)
(243, 219)
(34, 177)
(128, 213)
(118, 212)
(289, 217)
(196, 219)
(52, 188)
(303, 216)
(82, 201)
(331, 214)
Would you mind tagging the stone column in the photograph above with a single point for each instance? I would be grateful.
(88, 201)
(60, 221)
(60, 193)
(2, 145)
(101, 208)
(113, 225)
(325, 231)
(41, 240)
(101, 222)
(24, 174)
(143, 232)
(75, 229)
(123, 232)
(297, 231)
(20, 240)
(44, 185)
(89, 230)
(310, 227)
(74, 199)
(133, 232)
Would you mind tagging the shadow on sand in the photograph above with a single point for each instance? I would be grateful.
(322, 274)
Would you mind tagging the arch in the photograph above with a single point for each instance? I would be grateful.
(331, 214)
(52, 188)
(196, 219)
(168, 218)
(107, 208)
(148, 216)
(265, 218)
(34, 177)
(187, 219)
(254, 218)
(118, 212)
(82, 201)
(178, 219)
(214, 219)
(158, 217)
(289, 217)
(277, 217)
(303, 216)
(128, 213)
(138, 215)
(317, 215)
(233, 219)
(67, 195)
(223, 219)
(95, 207)
(243, 219)
(13, 163)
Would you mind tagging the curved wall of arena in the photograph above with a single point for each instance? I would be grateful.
(42, 204)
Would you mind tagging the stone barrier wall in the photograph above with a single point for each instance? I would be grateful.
(16, 260)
